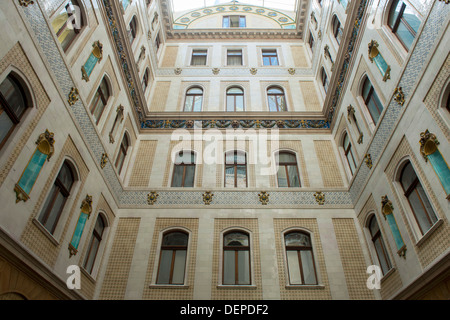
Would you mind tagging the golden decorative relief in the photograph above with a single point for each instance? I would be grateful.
(253, 71)
(104, 160)
(207, 197)
(73, 96)
(45, 143)
(86, 205)
(368, 160)
(399, 96)
(386, 206)
(152, 197)
(428, 144)
(178, 71)
(263, 197)
(215, 71)
(320, 197)
(291, 71)
(25, 3)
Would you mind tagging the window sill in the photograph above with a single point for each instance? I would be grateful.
(45, 232)
(231, 286)
(301, 286)
(429, 232)
(168, 286)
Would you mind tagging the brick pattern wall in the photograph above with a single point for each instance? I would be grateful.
(329, 168)
(310, 96)
(170, 57)
(143, 164)
(160, 95)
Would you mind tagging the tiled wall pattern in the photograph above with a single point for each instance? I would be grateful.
(352, 259)
(299, 56)
(117, 271)
(143, 164)
(160, 95)
(310, 96)
(152, 291)
(321, 292)
(170, 57)
(329, 168)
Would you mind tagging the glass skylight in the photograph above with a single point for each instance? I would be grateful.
(187, 5)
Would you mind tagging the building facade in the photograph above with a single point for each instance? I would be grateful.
(226, 151)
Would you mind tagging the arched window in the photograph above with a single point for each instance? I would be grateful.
(54, 204)
(100, 100)
(287, 170)
(184, 170)
(324, 79)
(371, 100)
(194, 99)
(94, 244)
(236, 169)
(236, 258)
(403, 22)
(235, 99)
(417, 198)
(277, 99)
(172, 259)
(132, 29)
(122, 153)
(311, 41)
(13, 104)
(300, 259)
(336, 28)
(378, 244)
(145, 80)
(68, 22)
(348, 151)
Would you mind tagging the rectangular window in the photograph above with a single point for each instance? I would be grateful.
(270, 57)
(157, 42)
(234, 57)
(199, 57)
(234, 22)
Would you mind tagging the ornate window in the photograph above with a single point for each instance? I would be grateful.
(236, 258)
(132, 29)
(417, 199)
(270, 57)
(194, 99)
(123, 149)
(184, 170)
(300, 258)
(277, 99)
(67, 23)
(348, 151)
(371, 100)
(100, 100)
(336, 28)
(234, 57)
(324, 79)
(235, 99)
(236, 169)
(172, 259)
(403, 22)
(13, 104)
(378, 243)
(54, 204)
(199, 57)
(233, 22)
(287, 174)
(94, 244)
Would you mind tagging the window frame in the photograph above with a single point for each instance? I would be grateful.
(199, 53)
(269, 54)
(228, 56)
(194, 95)
(65, 5)
(236, 260)
(324, 80)
(286, 164)
(95, 236)
(184, 165)
(348, 150)
(283, 95)
(240, 19)
(101, 96)
(370, 97)
(227, 94)
(122, 151)
(379, 236)
(235, 166)
(174, 248)
(394, 28)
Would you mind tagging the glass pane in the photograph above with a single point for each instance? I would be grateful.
(177, 179)
(230, 103)
(89, 263)
(178, 267)
(294, 267)
(379, 247)
(198, 103)
(275, 90)
(366, 88)
(13, 96)
(241, 177)
(235, 239)
(229, 267)
(419, 211)
(239, 158)
(286, 157)
(229, 176)
(294, 180)
(188, 104)
(99, 225)
(189, 176)
(281, 103)
(373, 226)
(65, 176)
(282, 178)
(309, 274)
(234, 21)
(351, 161)
(242, 22)
(408, 176)
(195, 91)
(272, 103)
(164, 267)
(373, 109)
(175, 239)
(411, 18)
(426, 203)
(274, 61)
(55, 212)
(226, 22)
(393, 13)
(99, 106)
(405, 36)
(243, 267)
(5, 125)
(297, 239)
(239, 103)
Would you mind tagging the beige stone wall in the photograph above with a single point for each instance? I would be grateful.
(143, 164)
(329, 168)
(161, 292)
(320, 292)
(299, 57)
(352, 258)
(117, 270)
(170, 57)
(160, 95)
(310, 96)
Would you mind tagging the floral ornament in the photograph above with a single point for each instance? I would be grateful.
(207, 197)
(320, 197)
(263, 197)
(151, 197)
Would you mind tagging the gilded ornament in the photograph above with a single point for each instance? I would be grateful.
(207, 197)
(386, 206)
(73, 96)
(104, 160)
(25, 3)
(86, 205)
(215, 71)
(178, 71)
(368, 160)
(350, 113)
(253, 71)
(399, 96)
(45, 143)
(291, 71)
(320, 197)
(263, 197)
(428, 144)
(152, 197)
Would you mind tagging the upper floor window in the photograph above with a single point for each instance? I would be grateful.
(324, 79)
(194, 99)
(54, 204)
(132, 31)
(371, 100)
(172, 260)
(337, 30)
(300, 259)
(378, 243)
(157, 42)
(235, 99)
(123, 150)
(311, 41)
(236, 169)
(100, 100)
(145, 80)
(403, 22)
(67, 23)
(184, 170)
(233, 22)
(199, 57)
(417, 198)
(94, 244)
(270, 57)
(287, 173)
(348, 151)
(236, 258)
(277, 99)
(13, 104)
(344, 3)
(234, 57)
